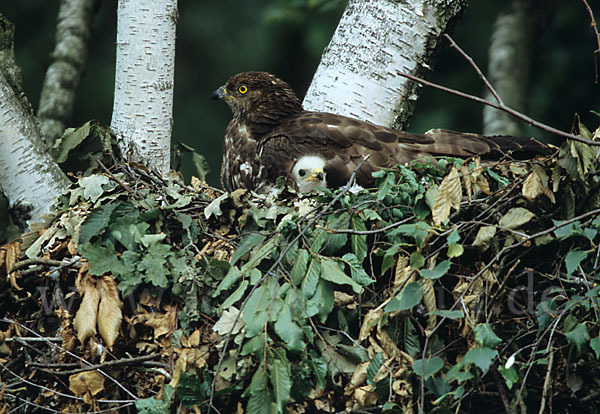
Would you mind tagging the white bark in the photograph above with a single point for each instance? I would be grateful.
(143, 105)
(57, 98)
(375, 39)
(508, 68)
(28, 175)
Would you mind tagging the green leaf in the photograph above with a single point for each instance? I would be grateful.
(359, 241)
(96, 222)
(332, 272)
(485, 335)
(409, 297)
(510, 375)
(573, 259)
(418, 231)
(280, 380)
(289, 331)
(201, 165)
(568, 230)
(455, 250)
(260, 401)
(262, 253)
(191, 389)
(214, 208)
(322, 302)
(248, 242)
(309, 284)
(235, 296)
(417, 260)
(358, 272)
(92, 186)
(376, 362)
(427, 367)
(255, 312)
(450, 314)
(482, 357)
(440, 270)
(595, 345)
(319, 367)
(299, 268)
(232, 276)
(386, 185)
(69, 141)
(103, 259)
(453, 237)
(578, 336)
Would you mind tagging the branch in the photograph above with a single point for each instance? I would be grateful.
(595, 29)
(499, 105)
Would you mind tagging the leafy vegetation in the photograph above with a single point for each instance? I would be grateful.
(447, 286)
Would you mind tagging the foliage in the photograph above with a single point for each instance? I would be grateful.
(443, 281)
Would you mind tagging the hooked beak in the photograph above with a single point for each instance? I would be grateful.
(219, 94)
(317, 175)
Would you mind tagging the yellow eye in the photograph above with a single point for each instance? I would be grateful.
(243, 89)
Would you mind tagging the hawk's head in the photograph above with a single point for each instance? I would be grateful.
(309, 173)
(258, 97)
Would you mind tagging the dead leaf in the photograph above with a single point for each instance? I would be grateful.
(484, 237)
(404, 273)
(85, 318)
(449, 196)
(536, 184)
(88, 383)
(369, 322)
(516, 217)
(342, 298)
(109, 311)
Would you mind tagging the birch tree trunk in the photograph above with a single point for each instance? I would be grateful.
(508, 68)
(143, 105)
(68, 61)
(374, 39)
(28, 175)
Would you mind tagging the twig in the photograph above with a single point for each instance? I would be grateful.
(114, 178)
(47, 262)
(595, 29)
(474, 65)
(122, 361)
(33, 339)
(501, 106)
(547, 382)
(486, 267)
(117, 383)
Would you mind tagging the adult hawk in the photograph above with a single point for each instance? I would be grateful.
(270, 132)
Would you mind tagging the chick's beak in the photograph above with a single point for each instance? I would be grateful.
(219, 94)
(316, 175)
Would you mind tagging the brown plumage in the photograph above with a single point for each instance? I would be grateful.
(270, 131)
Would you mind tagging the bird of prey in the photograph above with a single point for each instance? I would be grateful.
(309, 173)
(270, 132)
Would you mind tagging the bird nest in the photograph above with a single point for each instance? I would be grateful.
(445, 286)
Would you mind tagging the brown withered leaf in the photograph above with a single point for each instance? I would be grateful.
(109, 310)
(484, 237)
(448, 196)
(536, 184)
(369, 322)
(86, 384)
(430, 303)
(85, 318)
(404, 273)
(9, 255)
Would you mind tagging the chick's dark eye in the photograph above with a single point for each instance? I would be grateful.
(301, 173)
(242, 89)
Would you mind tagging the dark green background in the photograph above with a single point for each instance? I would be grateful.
(286, 37)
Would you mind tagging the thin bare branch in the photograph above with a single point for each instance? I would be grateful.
(504, 108)
(479, 72)
(595, 29)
